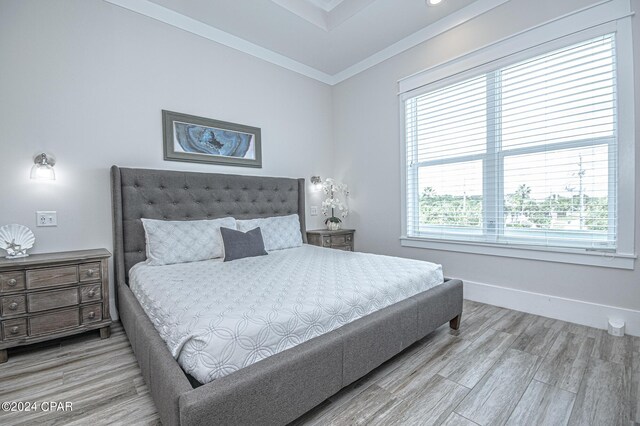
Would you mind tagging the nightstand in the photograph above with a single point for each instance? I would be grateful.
(341, 240)
(46, 296)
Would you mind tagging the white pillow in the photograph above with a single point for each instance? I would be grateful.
(183, 241)
(278, 232)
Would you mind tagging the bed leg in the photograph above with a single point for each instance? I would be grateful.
(105, 332)
(455, 323)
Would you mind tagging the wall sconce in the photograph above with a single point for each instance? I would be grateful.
(316, 181)
(43, 168)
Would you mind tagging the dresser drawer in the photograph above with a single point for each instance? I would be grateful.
(51, 295)
(11, 281)
(338, 240)
(90, 272)
(46, 300)
(54, 321)
(13, 305)
(91, 313)
(14, 329)
(52, 277)
(90, 293)
(341, 240)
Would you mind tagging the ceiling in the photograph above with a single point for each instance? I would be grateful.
(325, 14)
(320, 38)
(326, 5)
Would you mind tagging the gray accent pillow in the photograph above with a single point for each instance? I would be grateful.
(238, 244)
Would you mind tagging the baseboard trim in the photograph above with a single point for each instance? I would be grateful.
(571, 310)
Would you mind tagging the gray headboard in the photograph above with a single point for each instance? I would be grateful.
(173, 195)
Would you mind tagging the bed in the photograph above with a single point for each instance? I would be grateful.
(274, 389)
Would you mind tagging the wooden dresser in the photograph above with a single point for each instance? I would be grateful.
(45, 296)
(341, 240)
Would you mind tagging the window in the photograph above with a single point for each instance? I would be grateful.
(524, 154)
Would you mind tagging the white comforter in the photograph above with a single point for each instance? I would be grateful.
(217, 317)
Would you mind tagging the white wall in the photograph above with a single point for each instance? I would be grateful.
(86, 81)
(366, 134)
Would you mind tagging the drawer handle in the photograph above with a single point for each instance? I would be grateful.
(90, 272)
(13, 306)
(92, 315)
(14, 330)
(12, 282)
(91, 293)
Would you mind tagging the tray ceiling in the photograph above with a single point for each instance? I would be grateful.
(325, 14)
(326, 5)
(325, 39)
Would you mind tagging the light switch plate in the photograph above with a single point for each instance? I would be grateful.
(49, 218)
(314, 210)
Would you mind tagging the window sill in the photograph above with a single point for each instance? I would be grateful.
(571, 256)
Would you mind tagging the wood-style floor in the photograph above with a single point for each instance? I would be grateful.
(501, 367)
(101, 379)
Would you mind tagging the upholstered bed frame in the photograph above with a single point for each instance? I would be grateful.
(282, 387)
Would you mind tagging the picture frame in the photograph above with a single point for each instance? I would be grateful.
(204, 140)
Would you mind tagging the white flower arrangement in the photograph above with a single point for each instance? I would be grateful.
(332, 203)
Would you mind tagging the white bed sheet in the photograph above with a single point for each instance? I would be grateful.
(217, 317)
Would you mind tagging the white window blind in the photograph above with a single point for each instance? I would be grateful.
(525, 154)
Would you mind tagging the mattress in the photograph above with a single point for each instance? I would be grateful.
(218, 317)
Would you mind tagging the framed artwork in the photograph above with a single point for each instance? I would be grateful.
(204, 140)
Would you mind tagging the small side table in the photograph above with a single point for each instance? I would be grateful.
(341, 240)
(52, 295)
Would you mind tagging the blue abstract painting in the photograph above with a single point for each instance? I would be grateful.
(195, 139)
(204, 140)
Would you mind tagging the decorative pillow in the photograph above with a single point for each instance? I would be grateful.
(238, 244)
(279, 232)
(181, 241)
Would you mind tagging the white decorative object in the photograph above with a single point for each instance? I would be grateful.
(333, 190)
(278, 232)
(16, 240)
(333, 226)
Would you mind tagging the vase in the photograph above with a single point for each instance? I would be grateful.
(334, 226)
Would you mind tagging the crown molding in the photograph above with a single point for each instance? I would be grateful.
(178, 20)
(447, 23)
(559, 27)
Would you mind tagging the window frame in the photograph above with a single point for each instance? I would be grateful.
(595, 21)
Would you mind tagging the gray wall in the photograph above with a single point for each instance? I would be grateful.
(86, 81)
(366, 134)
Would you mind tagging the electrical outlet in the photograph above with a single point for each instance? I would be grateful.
(314, 210)
(46, 219)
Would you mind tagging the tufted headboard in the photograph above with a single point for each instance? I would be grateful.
(172, 195)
